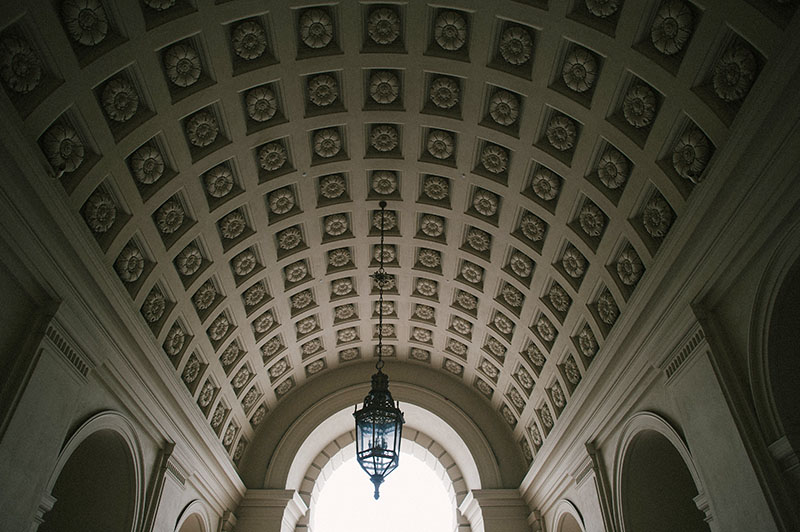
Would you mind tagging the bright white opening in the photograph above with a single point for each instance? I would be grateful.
(412, 498)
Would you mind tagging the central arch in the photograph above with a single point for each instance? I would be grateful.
(457, 417)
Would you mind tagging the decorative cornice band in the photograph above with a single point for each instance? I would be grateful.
(177, 471)
(687, 348)
(60, 340)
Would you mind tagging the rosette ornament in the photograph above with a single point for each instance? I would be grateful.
(494, 159)
(154, 306)
(521, 264)
(672, 27)
(147, 164)
(450, 31)
(561, 132)
(607, 308)
(219, 181)
(432, 225)
(249, 40)
(545, 184)
(316, 28)
(272, 156)
(20, 67)
(129, 264)
(516, 45)
(657, 217)
(580, 70)
(332, 186)
(440, 144)
(384, 87)
(602, 8)
(182, 64)
(86, 21)
(613, 168)
(629, 267)
(327, 142)
(170, 216)
(288, 239)
(485, 202)
(444, 92)
(323, 90)
(504, 108)
(384, 138)
(383, 26)
(734, 73)
(261, 104)
(384, 182)
(244, 263)
(690, 154)
(532, 227)
(639, 106)
(120, 100)
(202, 129)
(435, 187)
(100, 212)
(63, 148)
(281, 201)
(189, 260)
(573, 263)
(591, 219)
(232, 225)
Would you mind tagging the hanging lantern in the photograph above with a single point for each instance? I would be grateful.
(379, 423)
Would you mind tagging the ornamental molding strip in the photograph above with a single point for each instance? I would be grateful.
(583, 472)
(57, 337)
(685, 350)
(177, 471)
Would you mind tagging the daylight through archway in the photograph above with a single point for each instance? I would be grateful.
(413, 497)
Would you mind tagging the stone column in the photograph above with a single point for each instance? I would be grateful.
(270, 510)
(496, 510)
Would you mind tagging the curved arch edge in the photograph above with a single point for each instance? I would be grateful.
(118, 423)
(650, 421)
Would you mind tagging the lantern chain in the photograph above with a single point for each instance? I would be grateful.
(381, 279)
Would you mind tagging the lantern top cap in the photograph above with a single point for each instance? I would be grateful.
(380, 382)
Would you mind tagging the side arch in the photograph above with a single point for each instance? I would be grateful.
(647, 431)
(775, 302)
(567, 518)
(104, 435)
(194, 518)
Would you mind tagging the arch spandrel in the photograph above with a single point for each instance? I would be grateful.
(490, 442)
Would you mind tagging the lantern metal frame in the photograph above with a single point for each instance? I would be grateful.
(379, 423)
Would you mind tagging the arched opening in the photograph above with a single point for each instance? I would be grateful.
(784, 364)
(657, 488)
(193, 523)
(412, 498)
(96, 488)
(569, 524)
(424, 463)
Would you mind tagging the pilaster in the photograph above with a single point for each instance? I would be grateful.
(496, 510)
(270, 510)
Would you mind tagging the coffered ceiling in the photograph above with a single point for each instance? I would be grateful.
(228, 158)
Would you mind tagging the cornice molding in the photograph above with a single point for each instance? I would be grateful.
(61, 342)
(692, 343)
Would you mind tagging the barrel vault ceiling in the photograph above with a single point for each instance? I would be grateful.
(226, 160)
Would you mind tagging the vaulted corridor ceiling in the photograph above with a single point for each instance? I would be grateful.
(227, 160)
